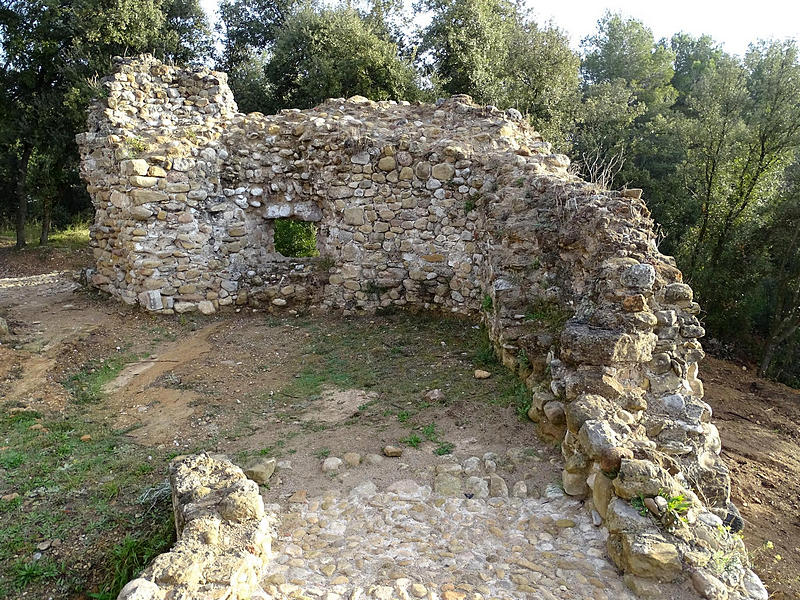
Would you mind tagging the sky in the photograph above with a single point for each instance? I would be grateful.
(734, 24)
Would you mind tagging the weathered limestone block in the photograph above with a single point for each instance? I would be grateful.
(591, 345)
(133, 167)
(641, 276)
(650, 557)
(678, 293)
(151, 300)
(224, 536)
(143, 196)
(642, 477)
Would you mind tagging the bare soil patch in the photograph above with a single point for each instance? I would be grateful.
(759, 422)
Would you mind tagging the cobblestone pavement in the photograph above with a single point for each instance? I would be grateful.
(463, 537)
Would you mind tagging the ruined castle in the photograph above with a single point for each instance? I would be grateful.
(451, 207)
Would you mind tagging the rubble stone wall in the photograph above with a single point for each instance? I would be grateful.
(454, 207)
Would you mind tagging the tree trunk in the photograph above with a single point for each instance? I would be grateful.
(766, 359)
(22, 196)
(47, 212)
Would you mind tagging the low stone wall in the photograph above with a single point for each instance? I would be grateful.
(453, 207)
(224, 536)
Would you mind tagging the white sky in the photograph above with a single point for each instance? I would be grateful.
(734, 24)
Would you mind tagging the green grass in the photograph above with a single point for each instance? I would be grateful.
(131, 555)
(487, 303)
(322, 453)
(71, 498)
(73, 236)
(83, 493)
(412, 440)
(136, 146)
(86, 385)
(398, 359)
(547, 314)
(523, 398)
(25, 571)
(444, 448)
(637, 502)
(523, 360)
(485, 355)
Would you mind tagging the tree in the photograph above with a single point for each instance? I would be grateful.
(467, 43)
(693, 59)
(248, 28)
(748, 125)
(624, 50)
(713, 138)
(493, 51)
(334, 52)
(604, 134)
(49, 50)
(780, 239)
(625, 130)
(191, 40)
(541, 80)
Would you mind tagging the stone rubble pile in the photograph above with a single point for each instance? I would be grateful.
(454, 207)
(224, 536)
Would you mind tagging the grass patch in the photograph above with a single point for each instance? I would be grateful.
(487, 303)
(523, 399)
(82, 493)
(485, 355)
(73, 236)
(413, 440)
(444, 448)
(86, 385)
(399, 358)
(25, 572)
(130, 556)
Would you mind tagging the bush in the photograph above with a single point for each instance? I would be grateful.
(295, 238)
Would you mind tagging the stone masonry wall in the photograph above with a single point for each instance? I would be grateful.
(454, 207)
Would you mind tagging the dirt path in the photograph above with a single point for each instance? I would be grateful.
(139, 399)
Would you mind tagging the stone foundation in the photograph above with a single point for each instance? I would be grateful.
(452, 207)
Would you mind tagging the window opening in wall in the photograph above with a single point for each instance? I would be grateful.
(295, 238)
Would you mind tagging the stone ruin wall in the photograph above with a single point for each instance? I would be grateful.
(453, 207)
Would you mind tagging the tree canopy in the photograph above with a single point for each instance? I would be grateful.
(50, 51)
